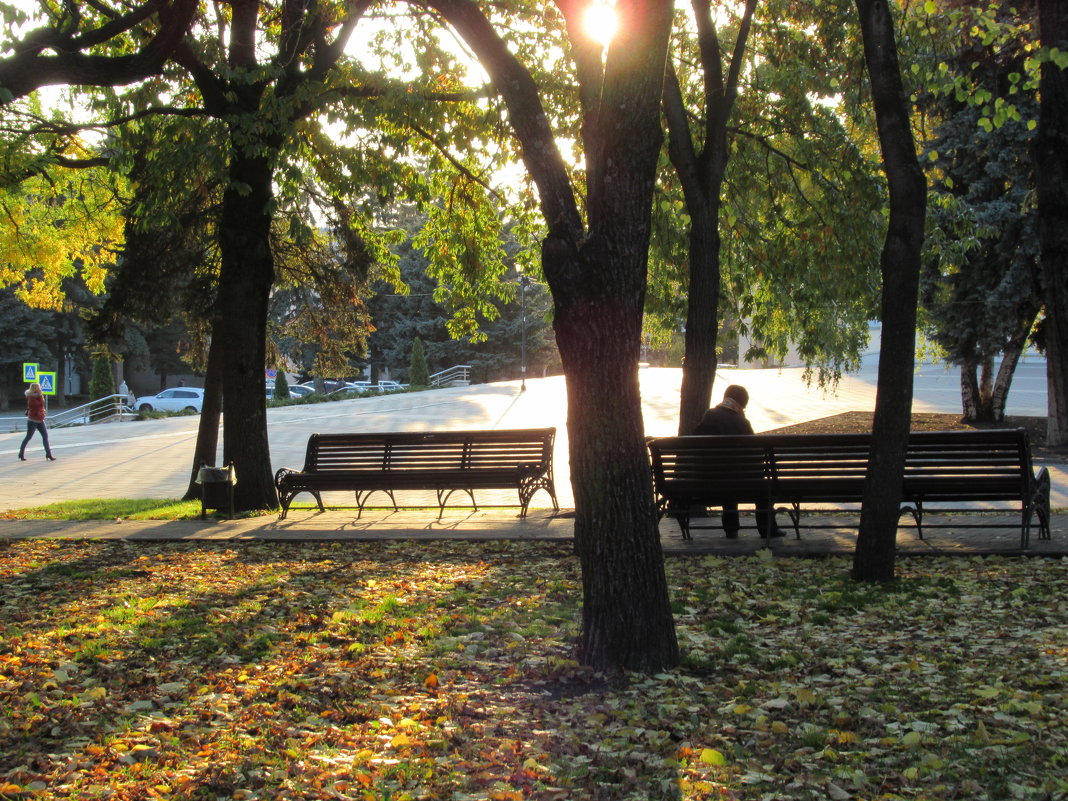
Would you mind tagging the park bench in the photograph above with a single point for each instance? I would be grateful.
(941, 467)
(443, 461)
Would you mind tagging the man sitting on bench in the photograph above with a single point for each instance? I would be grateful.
(729, 418)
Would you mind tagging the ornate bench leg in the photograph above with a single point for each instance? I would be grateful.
(444, 498)
(362, 496)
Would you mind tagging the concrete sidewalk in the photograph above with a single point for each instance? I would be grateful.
(541, 525)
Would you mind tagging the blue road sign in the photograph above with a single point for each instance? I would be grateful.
(29, 371)
(47, 382)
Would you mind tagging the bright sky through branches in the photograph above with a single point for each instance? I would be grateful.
(601, 21)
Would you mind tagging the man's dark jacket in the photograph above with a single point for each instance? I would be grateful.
(721, 420)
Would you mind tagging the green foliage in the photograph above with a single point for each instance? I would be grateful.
(399, 316)
(418, 376)
(980, 285)
(800, 220)
(999, 37)
(102, 381)
(462, 240)
(281, 386)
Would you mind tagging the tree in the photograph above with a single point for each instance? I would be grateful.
(701, 172)
(774, 187)
(28, 336)
(417, 372)
(1051, 167)
(980, 286)
(281, 385)
(595, 265)
(102, 382)
(413, 310)
(123, 46)
(900, 266)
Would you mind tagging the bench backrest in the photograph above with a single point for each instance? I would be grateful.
(431, 450)
(981, 464)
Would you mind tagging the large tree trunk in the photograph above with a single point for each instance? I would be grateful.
(241, 323)
(625, 613)
(207, 446)
(1051, 169)
(597, 277)
(900, 265)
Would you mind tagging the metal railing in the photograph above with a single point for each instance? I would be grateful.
(102, 410)
(457, 376)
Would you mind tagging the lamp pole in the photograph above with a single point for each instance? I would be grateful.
(524, 281)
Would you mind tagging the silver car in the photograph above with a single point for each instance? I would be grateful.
(176, 399)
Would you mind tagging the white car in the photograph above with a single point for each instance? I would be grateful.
(176, 399)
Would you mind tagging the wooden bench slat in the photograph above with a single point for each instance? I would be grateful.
(442, 461)
(941, 466)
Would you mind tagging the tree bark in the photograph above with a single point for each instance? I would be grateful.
(900, 266)
(702, 315)
(207, 446)
(597, 278)
(245, 282)
(1051, 170)
(626, 619)
(971, 400)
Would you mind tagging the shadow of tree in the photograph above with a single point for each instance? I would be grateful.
(308, 671)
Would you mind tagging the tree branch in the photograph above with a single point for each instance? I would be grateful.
(29, 70)
(454, 162)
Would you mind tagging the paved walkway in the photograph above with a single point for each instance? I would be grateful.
(310, 525)
(151, 459)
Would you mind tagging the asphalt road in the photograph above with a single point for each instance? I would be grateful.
(153, 458)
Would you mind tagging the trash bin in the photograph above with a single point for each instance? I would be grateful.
(217, 488)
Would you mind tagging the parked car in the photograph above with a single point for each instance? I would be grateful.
(329, 384)
(176, 399)
(295, 391)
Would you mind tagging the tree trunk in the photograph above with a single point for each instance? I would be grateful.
(701, 175)
(702, 315)
(900, 266)
(1051, 169)
(241, 323)
(986, 388)
(596, 272)
(970, 399)
(626, 616)
(1010, 358)
(207, 446)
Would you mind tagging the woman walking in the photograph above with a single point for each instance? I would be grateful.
(35, 413)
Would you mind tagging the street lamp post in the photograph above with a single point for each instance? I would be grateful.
(524, 281)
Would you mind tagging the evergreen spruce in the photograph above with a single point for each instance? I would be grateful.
(281, 386)
(418, 376)
(101, 385)
(102, 382)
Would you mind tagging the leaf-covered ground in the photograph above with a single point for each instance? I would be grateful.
(444, 671)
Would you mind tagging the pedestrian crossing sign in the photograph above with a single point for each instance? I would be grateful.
(47, 382)
(29, 371)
